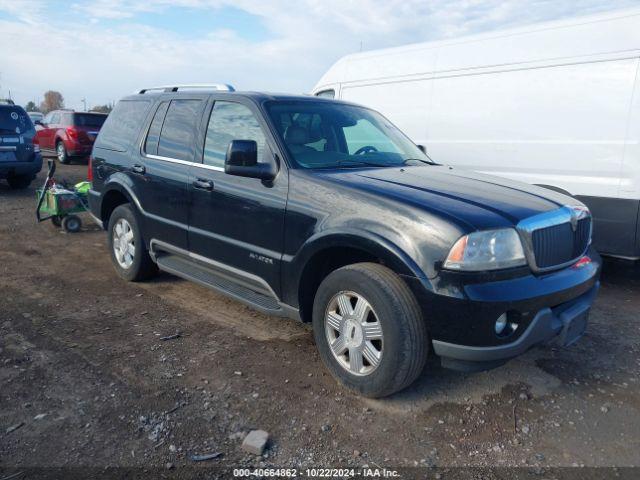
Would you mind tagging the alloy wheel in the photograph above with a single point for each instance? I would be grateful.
(354, 333)
(62, 155)
(123, 243)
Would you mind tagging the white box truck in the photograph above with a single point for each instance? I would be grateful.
(554, 104)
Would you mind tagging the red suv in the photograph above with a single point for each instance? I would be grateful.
(67, 134)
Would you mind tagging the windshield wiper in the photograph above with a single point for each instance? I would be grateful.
(351, 164)
(421, 160)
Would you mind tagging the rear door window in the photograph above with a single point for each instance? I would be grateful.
(122, 126)
(179, 128)
(153, 137)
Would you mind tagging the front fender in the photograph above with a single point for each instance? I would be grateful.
(367, 240)
(372, 242)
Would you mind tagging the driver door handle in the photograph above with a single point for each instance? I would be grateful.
(203, 184)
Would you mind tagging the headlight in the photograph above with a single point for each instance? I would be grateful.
(488, 250)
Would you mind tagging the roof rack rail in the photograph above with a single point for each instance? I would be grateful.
(205, 86)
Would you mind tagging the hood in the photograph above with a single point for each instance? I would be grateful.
(477, 200)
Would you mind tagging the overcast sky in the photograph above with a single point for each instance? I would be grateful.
(102, 50)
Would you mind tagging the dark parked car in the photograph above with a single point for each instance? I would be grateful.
(20, 159)
(323, 211)
(67, 134)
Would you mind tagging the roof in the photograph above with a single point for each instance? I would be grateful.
(258, 97)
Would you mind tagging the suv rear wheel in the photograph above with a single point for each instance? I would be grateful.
(129, 253)
(61, 153)
(369, 329)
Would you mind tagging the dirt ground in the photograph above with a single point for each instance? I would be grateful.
(86, 381)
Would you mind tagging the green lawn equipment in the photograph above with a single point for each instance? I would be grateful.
(61, 204)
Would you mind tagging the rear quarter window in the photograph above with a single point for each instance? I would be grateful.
(123, 125)
(89, 119)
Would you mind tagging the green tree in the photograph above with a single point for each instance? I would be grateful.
(31, 107)
(103, 108)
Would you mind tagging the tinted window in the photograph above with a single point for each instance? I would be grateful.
(121, 128)
(364, 134)
(323, 134)
(35, 116)
(14, 120)
(151, 143)
(178, 130)
(230, 121)
(88, 119)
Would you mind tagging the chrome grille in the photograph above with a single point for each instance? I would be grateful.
(559, 244)
(557, 238)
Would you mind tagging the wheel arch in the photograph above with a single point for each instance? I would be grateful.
(116, 193)
(326, 253)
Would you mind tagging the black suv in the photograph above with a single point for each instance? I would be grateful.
(324, 211)
(20, 158)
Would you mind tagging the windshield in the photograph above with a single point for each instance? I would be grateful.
(334, 135)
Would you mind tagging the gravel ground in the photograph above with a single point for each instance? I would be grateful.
(86, 381)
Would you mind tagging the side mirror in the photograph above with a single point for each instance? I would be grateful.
(242, 160)
(38, 122)
(423, 149)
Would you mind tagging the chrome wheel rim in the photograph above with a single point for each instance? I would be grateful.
(61, 154)
(124, 246)
(354, 333)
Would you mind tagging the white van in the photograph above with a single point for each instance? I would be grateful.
(554, 104)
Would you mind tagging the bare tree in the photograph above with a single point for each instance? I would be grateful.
(53, 100)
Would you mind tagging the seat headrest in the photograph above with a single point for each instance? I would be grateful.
(296, 135)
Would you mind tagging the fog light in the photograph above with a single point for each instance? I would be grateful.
(505, 324)
(501, 324)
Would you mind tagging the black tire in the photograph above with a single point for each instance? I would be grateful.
(19, 182)
(143, 267)
(56, 220)
(61, 153)
(71, 223)
(405, 339)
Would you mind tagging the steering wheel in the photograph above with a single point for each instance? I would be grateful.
(365, 149)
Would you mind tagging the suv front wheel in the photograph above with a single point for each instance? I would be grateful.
(369, 329)
(129, 253)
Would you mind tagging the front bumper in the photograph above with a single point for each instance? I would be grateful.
(567, 322)
(461, 310)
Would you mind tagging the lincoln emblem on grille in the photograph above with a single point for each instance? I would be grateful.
(574, 220)
(577, 213)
